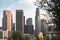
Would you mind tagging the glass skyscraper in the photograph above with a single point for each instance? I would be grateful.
(20, 20)
(37, 21)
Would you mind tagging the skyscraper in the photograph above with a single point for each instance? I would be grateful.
(6, 24)
(29, 26)
(20, 20)
(11, 23)
(24, 20)
(43, 26)
(28, 29)
(37, 21)
(29, 21)
(13, 28)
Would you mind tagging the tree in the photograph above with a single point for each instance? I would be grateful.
(17, 36)
(27, 38)
(52, 6)
(36, 35)
(56, 20)
(9, 39)
(55, 9)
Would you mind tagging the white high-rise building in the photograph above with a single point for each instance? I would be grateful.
(37, 21)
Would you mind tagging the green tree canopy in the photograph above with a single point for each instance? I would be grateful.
(17, 36)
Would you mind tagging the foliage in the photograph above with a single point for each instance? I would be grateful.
(56, 13)
(27, 38)
(56, 37)
(36, 35)
(17, 36)
(56, 20)
(9, 39)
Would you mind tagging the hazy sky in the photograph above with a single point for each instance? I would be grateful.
(13, 5)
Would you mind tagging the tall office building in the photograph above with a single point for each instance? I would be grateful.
(11, 23)
(13, 28)
(43, 26)
(24, 20)
(29, 21)
(6, 22)
(20, 20)
(28, 29)
(37, 21)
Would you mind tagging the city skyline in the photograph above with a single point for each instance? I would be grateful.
(13, 5)
(29, 10)
(29, 19)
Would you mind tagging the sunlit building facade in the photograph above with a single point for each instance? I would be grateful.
(6, 22)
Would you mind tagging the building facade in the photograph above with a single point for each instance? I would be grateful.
(13, 28)
(43, 26)
(6, 22)
(20, 20)
(29, 21)
(37, 21)
(28, 29)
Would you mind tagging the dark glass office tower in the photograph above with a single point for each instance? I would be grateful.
(29, 21)
(20, 20)
(28, 29)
